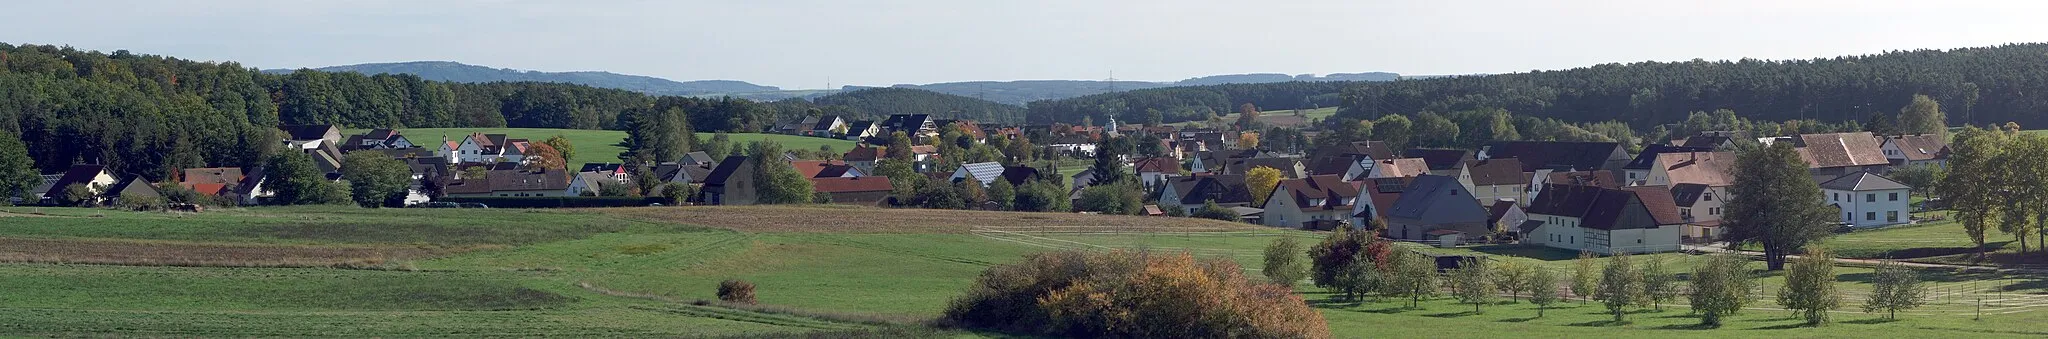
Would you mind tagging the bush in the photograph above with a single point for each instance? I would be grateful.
(556, 202)
(1210, 210)
(141, 203)
(737, 291)
(1131, 294)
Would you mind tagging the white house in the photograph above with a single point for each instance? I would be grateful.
(1915, 150)
(1494, 180)
(1604, 220)
(481, 148)
(1296, 202)
(1868, 200)
(1702, 207)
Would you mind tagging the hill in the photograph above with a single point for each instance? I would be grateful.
(877, 103)
(602, 145)
(459, 72)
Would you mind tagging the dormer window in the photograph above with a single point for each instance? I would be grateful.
(1315, 202)
(1454, 192)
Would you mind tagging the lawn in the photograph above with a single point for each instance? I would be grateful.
(632, 272)
(602, 145)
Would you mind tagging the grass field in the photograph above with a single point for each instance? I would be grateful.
(830, 270)
(1280, 118)
(602, 145)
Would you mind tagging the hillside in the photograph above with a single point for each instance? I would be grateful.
(602, 145)
(459, 72)
(877, 103)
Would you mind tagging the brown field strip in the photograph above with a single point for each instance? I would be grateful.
(885, 220)
(163, 253)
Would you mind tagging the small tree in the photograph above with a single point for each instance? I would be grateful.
(1261, 181)
(1721, 285)
(1511, 278)
(375, 179)
(676, 193)
(1210, 210)
(562, 147)
(1659, 285)
(1283, 262)
(1542, 286)
(1360, 277)
(1896, 288)
(735, 290)
(1002, 193)
(1329, 258)
(77, 195)
(1585, 277)
(1413, 276)
(1472, 283)
(1810, 286)
(1620, 286)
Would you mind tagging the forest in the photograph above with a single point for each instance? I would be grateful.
(879, 103)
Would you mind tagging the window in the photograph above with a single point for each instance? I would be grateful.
(1891, 216)
(1835, 196)
(1870, 197)
(1714, 211)
(1454, 192)
(1846, 216)
(1709, 196)
(1895, 197)
(1872, 216)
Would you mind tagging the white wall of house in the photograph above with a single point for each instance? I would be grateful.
(1282, 211)
(1566, 233)
(1870, 208)
(1359, 168)
(470, 151)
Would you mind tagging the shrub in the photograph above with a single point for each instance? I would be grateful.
(1131, 294)
(737, 291)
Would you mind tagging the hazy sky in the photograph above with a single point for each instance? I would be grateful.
(800, 44)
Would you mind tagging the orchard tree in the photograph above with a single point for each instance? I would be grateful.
(1283, 262)
(1511, 278)
(1721, 285)
(1659, 285)
(1338, 250)
(1542, 286)
(1620, 286)
(1809, 287)
(1779, 208)
(1896, 288)
(1472, 283)
(1585, 277)
(1411, 275)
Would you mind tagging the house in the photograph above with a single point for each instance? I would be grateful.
(1709, 142)
(918, 126)
(864, 191)
(210, 181)
(133, 188)
(1190, 193)
(327, 158)
(1494, 179)
(1638, 169)
(94, 177)
(381, 138)
(1433, 206)
(829, 126)
(859, 130)
(1375, 197)
(1394, 168)
(514, 183)
(1559, 156)
(1351, 159)
(515, 150)
(1290, 167)
(863, 157)
(480, 148)
(1443, 162)
(1078, 146)
(590, 184)
(612, 170)
(1701, 207)
(1607, 179)
(1714, 169)
(311, 133)
(731, 183)
(1868, 200)
(696, 158)
(1019, 175)
(982, 172)
(825, 169)
(1832, 155)
(1299, 202)
(691, 174)
(1152, 171)
(796, 126)
(448, 149)
(1915, 150)
(1507, 217)
(1641, 219)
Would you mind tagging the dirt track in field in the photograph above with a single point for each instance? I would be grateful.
(885, 220)
(164, 253)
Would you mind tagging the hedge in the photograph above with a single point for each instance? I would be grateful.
(557, 202)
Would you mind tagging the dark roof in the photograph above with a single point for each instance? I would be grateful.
(825, 123)
(1529, 226)
(1606, 179)
(1832, 150)
(307, 132)
(80, 173)
(1229, 189)
(133, 187)
(600, 167)
(1687, 194)
(1440, 159)
(1863, 181)
(724, 170)
(1556, 155)
(696, 158)
(862, 153)
(859, 126)
(910, 123)
(1331, 188)
(1657, 200)
(1648, 157)
(1420, 197)
(1383, 191)
(1018, 175)
(1499, 210)
(252, 177)
(847, 185)
(1709, 142)
(1920, 146)
(518, 180)
(820, 168)
(1609, 209)
(1493, 172)
(1337, 159)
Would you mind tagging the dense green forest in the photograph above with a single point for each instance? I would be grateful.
(1982, 85)
(879, 103)
(465, 73)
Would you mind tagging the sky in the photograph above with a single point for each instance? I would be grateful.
(806, 44)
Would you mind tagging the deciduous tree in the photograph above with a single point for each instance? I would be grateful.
(1779, 207)
(1284, 263)
(777, 182)
(1809, 286)
(1412, 275)
(1472, 283)
(1721, 285)
(1585, 276)
(375, 179)
(1261, 181)
(17, 171)
(1542, 286)
(1620, 286)
(1896, 288)
(1923, 116)
(561, 145)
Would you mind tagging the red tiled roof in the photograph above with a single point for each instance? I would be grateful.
(846, 185)
(1166, 165)
(1840, 150)
(1495, 172)
(1706, 168)
(209, 189)
(863, 153)
(1403, 167)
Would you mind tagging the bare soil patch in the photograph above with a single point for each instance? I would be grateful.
(847, 219)
(164, 253)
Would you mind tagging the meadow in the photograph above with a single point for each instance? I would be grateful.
(602, 145)
(828, 271)
(1279, 118)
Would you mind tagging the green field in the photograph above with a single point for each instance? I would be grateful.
(633, 272)
(602, 145)
(1280, 118)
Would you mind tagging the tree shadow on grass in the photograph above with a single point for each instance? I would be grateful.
(1871, 321)
(1451, 315)
(1801, 324)
(1694, 326)
(1603, 323)
(1519, 320)
(1680, 316)
(1392, 310)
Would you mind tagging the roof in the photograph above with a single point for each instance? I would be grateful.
(1404, 167)
(1440, 159)
(698, 157)
(1383, 191)
(595, 181)
(820, 168)
(1687, 194)
(724, 171)
(211, 175)
(1648, 157)
(983, 172)
(1163, 165)
(252, 179)
(80, 173)
(1705, 141)
(207, 188)
(1919, 147)
(307, 132)
(1499, 210)
(863, 153)
(133, 187)
(924, 149)
(911, 122)
(1705, 168)
(1609, 209)
(1336, 159)
(518, 180)
(1430, 198)
(859, 126)
(1586, 178)
(1225, 188)
(1289, 167)
(1556, 155)
(1529, 226)
(1018, 175)
(1832, 150)
(1863, 181)
(1331, 188)
(601, 167)
(854, 184)
(1494, 172)
(825, 123)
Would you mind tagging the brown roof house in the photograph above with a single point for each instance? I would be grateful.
(864, 191)
(1601, 220)
(1435, 207)
(1298, 202)
(1190, 193)
(1352, 160)
(1833, 155)
(1375, 197)
(1394, 168)
(1915, 150)
(731, 183)
(1494, 180)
